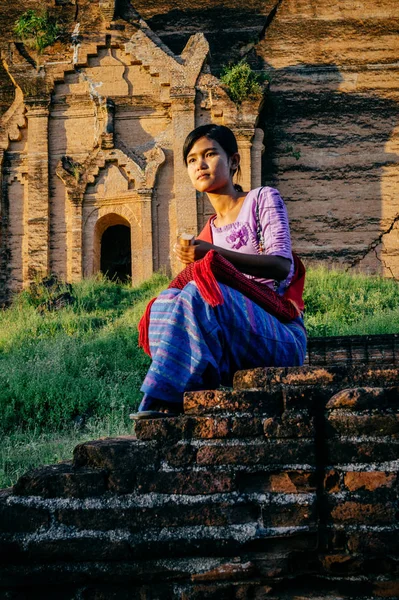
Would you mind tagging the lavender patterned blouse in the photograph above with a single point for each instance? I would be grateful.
(240, 236)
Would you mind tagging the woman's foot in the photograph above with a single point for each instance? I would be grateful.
(153, 408)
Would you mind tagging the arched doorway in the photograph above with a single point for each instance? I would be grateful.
(116, 253)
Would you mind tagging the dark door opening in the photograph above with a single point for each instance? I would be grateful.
(116, 256)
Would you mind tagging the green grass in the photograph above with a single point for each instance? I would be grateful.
(339, 303)
(22, 450)
(82, 362)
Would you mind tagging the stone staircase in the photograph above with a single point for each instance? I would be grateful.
(284, 487)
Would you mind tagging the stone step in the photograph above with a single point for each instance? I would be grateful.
(234, 402)
(290, 424)
(63, 481)
(271, 378)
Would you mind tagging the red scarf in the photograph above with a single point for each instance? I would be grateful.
(213, 268)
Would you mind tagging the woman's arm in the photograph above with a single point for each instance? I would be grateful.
(267, 266)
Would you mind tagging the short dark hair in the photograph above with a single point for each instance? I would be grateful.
(219, 133)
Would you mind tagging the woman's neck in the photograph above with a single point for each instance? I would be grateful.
(227, 205)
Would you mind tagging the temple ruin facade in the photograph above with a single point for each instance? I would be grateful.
(91, 151)
(92, 130)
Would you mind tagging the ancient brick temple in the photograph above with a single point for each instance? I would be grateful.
(91, 152)
(91, 131)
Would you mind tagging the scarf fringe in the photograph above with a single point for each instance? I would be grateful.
(206, 281)
(143, 326)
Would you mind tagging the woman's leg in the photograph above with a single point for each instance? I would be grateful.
(195, 346)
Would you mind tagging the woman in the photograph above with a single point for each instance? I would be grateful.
(194, 345)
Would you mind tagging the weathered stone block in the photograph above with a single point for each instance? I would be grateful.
(121, 458)
(204, 427)
(289, 514)
(288, 482)
(292, 424)
(78, 548)
(108, 454)
(341, 564)
(365, 398)
(186, 482)
(352, 511)
(345, 422)
(246, 426)
(158, 515)
(62, 480)
(330, 376)
(374, 541)
(332, 481)
(306, 397)
(232, 571)
(209, 427)
(161, 429)
(361, 450)
(386, 589)
(268, 453)
(180, 455)
(236, 401)
(270, 377)
(369, 480)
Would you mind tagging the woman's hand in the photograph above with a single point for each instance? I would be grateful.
(268, 266)
(189, 254)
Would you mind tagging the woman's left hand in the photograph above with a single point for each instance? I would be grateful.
(189, 254)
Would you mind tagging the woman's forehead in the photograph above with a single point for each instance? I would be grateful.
(204, 143)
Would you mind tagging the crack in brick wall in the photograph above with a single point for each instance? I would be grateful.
(372, 247)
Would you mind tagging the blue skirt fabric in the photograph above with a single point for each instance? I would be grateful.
(195, 346)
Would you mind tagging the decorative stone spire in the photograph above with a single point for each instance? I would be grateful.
(107, 8)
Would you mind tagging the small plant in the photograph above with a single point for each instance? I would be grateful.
(294, 153)
(72, 167)
(242, 82)
(37, 28)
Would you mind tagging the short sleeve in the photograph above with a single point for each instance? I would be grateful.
(274, 221)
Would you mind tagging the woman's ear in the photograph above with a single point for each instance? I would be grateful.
(234, 161)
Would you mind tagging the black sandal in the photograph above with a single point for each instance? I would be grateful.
(159, 409)
(153, 414)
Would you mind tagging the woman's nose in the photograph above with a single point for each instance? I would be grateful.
(202, 164)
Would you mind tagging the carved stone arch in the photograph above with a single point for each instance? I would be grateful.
(136, 203)
(102, 217)
(142, 170)
(103, 224)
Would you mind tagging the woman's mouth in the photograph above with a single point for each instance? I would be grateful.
(202, 176)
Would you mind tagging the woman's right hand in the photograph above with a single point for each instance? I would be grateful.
(193, 252)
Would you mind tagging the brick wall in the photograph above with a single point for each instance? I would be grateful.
(284, 487)
(353, 349)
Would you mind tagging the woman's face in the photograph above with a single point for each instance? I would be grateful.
(209, 167)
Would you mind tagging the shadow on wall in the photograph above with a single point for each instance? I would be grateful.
(7, 90)
(327, 149)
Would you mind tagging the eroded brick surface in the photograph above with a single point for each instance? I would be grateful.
(228, 500)
(235, 401)
(62, 480)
